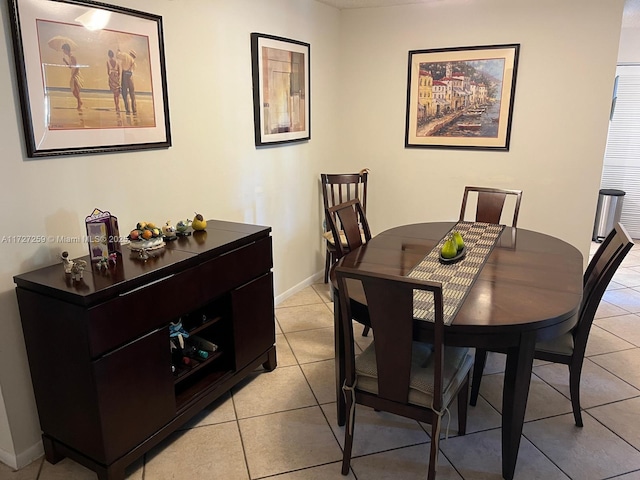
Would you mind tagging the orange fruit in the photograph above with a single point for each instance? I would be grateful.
(147, 234)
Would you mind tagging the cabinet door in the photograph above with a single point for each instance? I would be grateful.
(253, 319)
(135, 392)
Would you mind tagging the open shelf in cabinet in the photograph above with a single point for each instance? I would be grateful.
(198, 385)
(211, 324)
(185, 371)
(208, 323)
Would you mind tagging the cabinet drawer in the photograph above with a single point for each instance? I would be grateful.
(235, 268)
(141, 310)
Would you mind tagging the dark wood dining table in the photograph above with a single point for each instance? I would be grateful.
(528, 290)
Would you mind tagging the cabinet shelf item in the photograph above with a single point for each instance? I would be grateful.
(184, 372)
(99, 348)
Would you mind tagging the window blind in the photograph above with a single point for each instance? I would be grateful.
(621, 166)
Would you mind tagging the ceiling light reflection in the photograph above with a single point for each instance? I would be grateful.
(94, 19)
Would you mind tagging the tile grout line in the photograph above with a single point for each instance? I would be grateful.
(613, 432)
(237, 422)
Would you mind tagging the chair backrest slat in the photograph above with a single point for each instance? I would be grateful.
(597, 276)
(348, 218)
(490, 204)
(390, 307)
(339, 188)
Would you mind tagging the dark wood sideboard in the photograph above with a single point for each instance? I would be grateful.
(99, 348)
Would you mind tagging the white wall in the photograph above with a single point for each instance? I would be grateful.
(563, 92)
(358, 85)
(213, 166)
(629, 51)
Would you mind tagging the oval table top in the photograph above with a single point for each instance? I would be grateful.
(529, 281)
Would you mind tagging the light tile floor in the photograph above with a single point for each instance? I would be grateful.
(281, 425)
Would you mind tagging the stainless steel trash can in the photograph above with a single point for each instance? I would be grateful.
(607, 213)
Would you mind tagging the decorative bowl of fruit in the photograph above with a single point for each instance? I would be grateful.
(453, 249)
(146, 236)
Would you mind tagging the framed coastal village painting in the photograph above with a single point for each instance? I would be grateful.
(461, 97)
(91, 77)
(281, 89)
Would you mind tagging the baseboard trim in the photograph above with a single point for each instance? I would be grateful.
(300, 286)
(22, 459)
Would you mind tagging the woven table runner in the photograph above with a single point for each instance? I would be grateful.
(457, 278)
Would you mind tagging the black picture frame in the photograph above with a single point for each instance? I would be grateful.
(281, 96)
(461, 97)
(67, 91)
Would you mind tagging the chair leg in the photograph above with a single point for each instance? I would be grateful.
(574, 389)
(478, 369)
(327, 265)
(463, 396)
(435, 447)
(365, 330)
(348, 433)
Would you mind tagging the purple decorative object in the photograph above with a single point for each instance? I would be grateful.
(103, 235)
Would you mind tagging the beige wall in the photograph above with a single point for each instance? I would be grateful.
(563, 92)
(213, 166)
(358, 88)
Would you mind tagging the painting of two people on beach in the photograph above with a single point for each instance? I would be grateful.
(95, 79)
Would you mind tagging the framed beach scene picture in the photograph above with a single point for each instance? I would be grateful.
(461, 97)
(91, 77)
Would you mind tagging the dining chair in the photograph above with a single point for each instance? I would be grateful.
(569, 349)
(394, 373)
(348, 225)
(338, 188)
(490, 203)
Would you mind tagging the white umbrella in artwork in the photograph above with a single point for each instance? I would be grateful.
(58, 41)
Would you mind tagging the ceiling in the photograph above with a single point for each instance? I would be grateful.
(342, 4)
(631, 16)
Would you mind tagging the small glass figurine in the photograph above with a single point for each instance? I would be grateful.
(182, 228)
(169, 231)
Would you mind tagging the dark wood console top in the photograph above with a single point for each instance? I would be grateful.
(219, 238)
